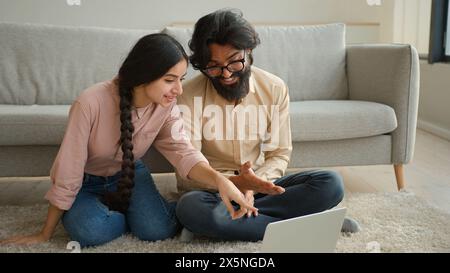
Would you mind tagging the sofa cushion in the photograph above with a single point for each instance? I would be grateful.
(340, 119)
(316, 52)
(310, 59)
(42, 64)
(310, 121)
(33, 124)
(183, 35)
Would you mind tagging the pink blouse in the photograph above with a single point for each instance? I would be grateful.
(91, 141)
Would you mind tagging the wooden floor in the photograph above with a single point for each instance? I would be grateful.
(428, 176)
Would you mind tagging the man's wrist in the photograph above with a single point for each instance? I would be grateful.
(263, 176)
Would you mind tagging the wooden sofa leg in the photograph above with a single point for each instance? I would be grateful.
(399, 176)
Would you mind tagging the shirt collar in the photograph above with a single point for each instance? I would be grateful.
(251, 86)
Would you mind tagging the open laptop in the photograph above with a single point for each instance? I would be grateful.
(313, 233)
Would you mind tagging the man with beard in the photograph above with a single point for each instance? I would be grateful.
(221, 46)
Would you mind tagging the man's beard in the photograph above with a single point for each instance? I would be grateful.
(235, 91)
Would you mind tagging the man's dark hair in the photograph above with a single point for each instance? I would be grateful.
(225, 26)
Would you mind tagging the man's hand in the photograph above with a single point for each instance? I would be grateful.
(228, 191)
(247, 180)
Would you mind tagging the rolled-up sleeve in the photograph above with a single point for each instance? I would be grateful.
(174, 144)
(68, 168)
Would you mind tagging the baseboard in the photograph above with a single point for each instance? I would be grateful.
(434, 129)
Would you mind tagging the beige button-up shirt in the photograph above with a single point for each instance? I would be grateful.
(256, 130)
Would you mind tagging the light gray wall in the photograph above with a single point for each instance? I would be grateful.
(151, 14)
(434, 103)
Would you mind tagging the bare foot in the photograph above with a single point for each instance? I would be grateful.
(247, 180)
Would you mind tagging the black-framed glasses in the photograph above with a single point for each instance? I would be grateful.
(233, 67)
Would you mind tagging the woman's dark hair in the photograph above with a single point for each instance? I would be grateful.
(225, 26)
(151, 58)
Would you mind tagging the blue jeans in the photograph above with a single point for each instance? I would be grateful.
(149, 217)
(205, 214)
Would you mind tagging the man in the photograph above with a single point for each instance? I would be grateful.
(238, 116)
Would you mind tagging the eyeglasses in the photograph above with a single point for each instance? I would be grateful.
(217, 71)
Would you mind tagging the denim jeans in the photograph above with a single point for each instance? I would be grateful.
(149, 217)
(204, 213)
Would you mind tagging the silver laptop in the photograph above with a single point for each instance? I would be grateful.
(313, 233)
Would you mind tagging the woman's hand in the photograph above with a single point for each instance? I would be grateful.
(251, 199)
(247, 180)
(228, 192)
(27, 239)
(53, 216)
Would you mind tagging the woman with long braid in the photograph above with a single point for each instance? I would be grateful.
(101, 189)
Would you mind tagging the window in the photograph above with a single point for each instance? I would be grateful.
(439, 38)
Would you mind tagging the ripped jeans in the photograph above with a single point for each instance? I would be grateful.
(149, 217)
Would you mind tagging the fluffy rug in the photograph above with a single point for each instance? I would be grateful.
(391, 222)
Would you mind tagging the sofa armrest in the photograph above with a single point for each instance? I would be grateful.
(388, 74)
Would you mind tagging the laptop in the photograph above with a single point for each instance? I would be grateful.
(313, 233)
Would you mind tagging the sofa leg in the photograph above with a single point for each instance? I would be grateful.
(398, 168)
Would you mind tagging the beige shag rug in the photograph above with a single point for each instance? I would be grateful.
(391, 222)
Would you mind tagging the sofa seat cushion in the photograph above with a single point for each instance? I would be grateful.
(340, 119)
(310, 121)
(33, 124)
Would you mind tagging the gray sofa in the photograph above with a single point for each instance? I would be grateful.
(350, 104)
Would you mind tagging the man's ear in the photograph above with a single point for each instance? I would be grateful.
(249, 52)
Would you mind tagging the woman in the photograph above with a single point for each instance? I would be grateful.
(99, 190)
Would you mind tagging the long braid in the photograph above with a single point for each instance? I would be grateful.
(151, 57)
(120, 200)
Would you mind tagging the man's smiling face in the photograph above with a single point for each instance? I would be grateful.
(232, 85)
